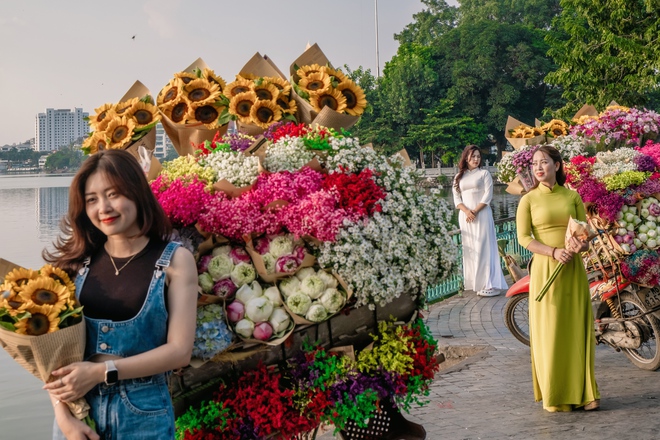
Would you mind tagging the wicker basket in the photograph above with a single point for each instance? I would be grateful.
(386, 424)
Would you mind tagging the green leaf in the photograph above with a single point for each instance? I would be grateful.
(225, 117)
(8, 326)
(289, 117)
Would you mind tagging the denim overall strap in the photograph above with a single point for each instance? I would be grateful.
(166, 257)
(82, 275)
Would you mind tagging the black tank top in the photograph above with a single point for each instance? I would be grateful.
(120, 297)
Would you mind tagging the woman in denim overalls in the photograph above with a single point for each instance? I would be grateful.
(140, 292)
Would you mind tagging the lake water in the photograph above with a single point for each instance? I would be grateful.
(32, 207)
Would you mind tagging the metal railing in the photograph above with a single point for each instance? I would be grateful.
(505, 229)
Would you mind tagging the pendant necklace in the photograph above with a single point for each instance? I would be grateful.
(125, 264)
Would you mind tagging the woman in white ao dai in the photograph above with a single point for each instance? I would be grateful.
(473, 192)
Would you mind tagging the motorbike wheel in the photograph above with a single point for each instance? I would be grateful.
(516, 317)
(646, 357)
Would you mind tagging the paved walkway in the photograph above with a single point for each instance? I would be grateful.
(492, 397)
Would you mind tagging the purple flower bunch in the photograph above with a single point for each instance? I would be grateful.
(620, 126)
(522, 159)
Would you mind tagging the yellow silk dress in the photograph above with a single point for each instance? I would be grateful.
(561, 325)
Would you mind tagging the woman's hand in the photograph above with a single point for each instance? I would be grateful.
(470, 215)
(75, 380)
(74, 429)
(563, 255)
(576, 245)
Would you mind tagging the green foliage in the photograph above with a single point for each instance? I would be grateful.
(21, 156)
(444, 133)
(429, 24)
(532, 13)
(68, 158)
(606, 50)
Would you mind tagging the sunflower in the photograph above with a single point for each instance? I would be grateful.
(144, 114)
(177, 113)
(308, 70)
(529, 132)
(168, 96)
(287, 105)
(43, 319)
(337, 74)
(556, 128)
(264, 113)
(241, 85)
(46, 291)
(518, 132)
(248, 76)
(201, 92)
(60, 276)
(241, 104)
(206, 114)
(123, 107)
(317, 82)
(119, 132)
(282, 85)
(583, 119)
(213, 78)
(185, 77)
(537, 131)
(356, 101)
(615, 107)
(95, 143)
(101, 115)
(333, 99)
(266, 91)
(19, 277)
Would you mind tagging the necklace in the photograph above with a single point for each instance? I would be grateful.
(121, 268)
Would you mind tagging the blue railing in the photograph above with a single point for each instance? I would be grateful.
(506, 229)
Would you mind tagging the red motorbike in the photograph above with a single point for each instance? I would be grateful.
(627, 315)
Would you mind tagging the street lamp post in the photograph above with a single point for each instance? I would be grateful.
(377, 54)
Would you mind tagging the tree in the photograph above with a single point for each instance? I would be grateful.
(606, 50)
(444, 133)
(67, 158)
(429, 24)
(532, 13)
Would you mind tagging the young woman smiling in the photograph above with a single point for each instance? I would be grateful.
(139, 294)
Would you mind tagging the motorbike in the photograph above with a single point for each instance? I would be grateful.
(626, 314)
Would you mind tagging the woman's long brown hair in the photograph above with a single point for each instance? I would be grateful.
(463, 164)
(79, 238)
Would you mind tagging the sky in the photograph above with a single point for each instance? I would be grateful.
(73, 53)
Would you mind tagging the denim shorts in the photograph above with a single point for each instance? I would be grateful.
(135, 409)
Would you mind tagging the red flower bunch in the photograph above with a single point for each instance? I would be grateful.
(206, 147)
(358, 192)
(290, 129)
(425, 364)
(579, 169)
(262, 407)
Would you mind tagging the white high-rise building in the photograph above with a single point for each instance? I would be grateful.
(58, 127)
(163, 142)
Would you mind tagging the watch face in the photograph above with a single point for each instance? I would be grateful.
(111, 377)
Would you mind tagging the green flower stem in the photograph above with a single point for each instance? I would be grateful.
(548, 283)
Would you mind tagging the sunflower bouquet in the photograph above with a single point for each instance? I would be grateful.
(118, 125)
(193, 106)
(41, 324)
(519, 134)
(325, 95)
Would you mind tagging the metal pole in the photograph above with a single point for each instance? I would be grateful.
(377, 54)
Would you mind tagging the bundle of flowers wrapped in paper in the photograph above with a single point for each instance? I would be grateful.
(312, 295)
(278, 256)
(261, 101)
(618, 126)
(318, 386)
(225, 270)
(118, 125)
(41, 324)
(212, 335)
(257, 313)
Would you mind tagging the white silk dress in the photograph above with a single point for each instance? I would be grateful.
(481, 259)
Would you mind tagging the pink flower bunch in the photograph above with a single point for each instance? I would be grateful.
(579, 169)
(642, 267)
(286, 185)
(522, 159)
(238, 217)
(183, 201)
(608, 204)
(318, 215)
(619, 126)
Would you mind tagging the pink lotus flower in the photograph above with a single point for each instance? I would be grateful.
(262, 331)
(239, 255)
(203, 263)
(235, 311)
(287, 264)
(224, 288)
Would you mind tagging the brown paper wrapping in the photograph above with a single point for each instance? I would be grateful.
(518, 143)
(515, 187)
(326, 117)
(185, 138)
(588, 110)
(259, 265)
(40, 355)
(580, 230)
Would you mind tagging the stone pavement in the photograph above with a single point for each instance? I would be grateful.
(489, 395)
